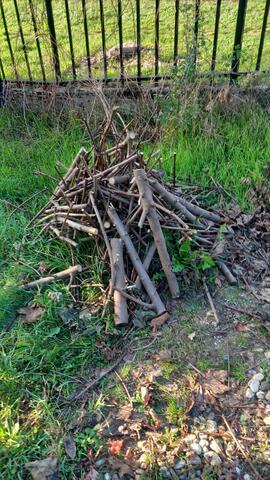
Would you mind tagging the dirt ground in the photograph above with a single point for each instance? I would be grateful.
(180, 406)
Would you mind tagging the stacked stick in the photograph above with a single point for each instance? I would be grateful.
(123, 204)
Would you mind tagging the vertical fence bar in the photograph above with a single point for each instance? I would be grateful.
(70, 41)
(32, 11)
(240, 24)
(138, 34)
(103, 36)
(264, 25)
(196, 30)
(87, 47)
(2, 71)
(120, 29)
(215, 42)
(176, 33)
(22, 40)
(157, 37)
(8, 40)
(51, 26)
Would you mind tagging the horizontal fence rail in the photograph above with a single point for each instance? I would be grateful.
(67, 40)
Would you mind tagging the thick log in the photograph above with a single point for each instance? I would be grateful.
(146, 263)
(41, 282)
(120, 302)
(119, 179)
(150, 212)
(145, 279)
(232, 280)
(174, 201)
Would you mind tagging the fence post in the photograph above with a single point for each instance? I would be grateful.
(2, 79)
(32, 11)
(120, 28)
(85, 24)
(22, 40)
(70, 41)
(101, 8)
(240, 24)
(157, 37)
(196, 30)
(138, 32)
(264, 25)
(51, 26)
(215, 42)
(8, 40)
(176, 34)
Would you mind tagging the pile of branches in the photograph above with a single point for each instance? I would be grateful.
(124, 204)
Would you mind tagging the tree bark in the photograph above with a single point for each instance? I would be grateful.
(145, 279)
(120, 302)
(150, 212)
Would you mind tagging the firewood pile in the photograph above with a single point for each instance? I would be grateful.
(122, 202)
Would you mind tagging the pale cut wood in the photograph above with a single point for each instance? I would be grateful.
(145, 279)
(41, 282)
(174, 201)
(78, 226)
(120, 301)
(150, 212)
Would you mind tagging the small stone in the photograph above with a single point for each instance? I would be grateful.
(203, 436)
(107, 476)
(213, 458)
(165, 472)
(190, 438)
(181, 464)
(100, 462)
(258, 376)
(267, 409)
(260, 395)
(249, 394)
(211, 426)
(204, 443)
(216, 446)
(267, 355)
(265, 386)
(267, 396)
(246, 477)
(155, 375)
(267, 421)
(196, 447)
(194, 460)
(143, 460)
(254, 385)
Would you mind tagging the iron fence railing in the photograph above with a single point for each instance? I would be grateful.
(50, 8)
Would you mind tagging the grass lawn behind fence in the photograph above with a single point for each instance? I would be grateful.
(251, 38)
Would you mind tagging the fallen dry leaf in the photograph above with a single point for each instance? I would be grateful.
(115, 446)
(122, 467)
(241, 327)
(146, 396)
(46, 469)
(164, 355)
(31, 313)
(70, 447)
(157, 322)
(129, 454)
(214, 381)
(92, 474)
(125, 411)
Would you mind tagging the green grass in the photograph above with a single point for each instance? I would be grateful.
(254, 17)
(40, 364)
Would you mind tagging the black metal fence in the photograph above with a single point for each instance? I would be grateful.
(37, 26)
